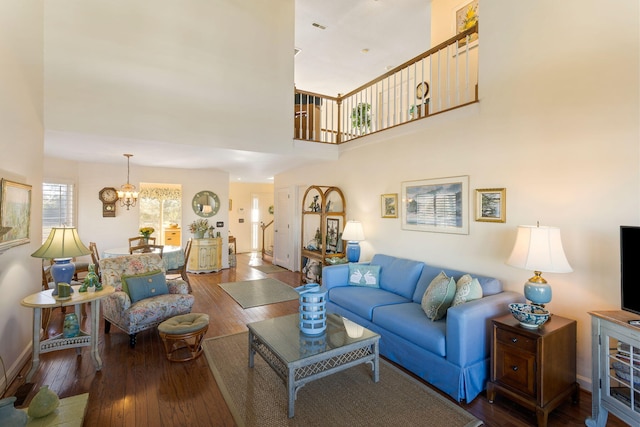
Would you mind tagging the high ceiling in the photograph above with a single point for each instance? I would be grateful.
(343, 44)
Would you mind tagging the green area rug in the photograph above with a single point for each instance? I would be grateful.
(258, 397)
(252, 293)
(268, 268)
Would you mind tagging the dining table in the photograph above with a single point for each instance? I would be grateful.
(172, 256)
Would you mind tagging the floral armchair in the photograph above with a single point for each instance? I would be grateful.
(146, 313)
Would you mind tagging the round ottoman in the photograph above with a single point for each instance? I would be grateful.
(182, 336)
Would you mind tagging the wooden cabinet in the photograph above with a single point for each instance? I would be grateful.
(323, 220)
(172, 237)
(205, 256)
(534, 367)
(616, 360)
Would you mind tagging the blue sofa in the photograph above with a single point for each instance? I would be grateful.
(452, 353)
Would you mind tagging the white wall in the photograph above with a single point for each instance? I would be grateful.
(113, 232)
(21, 147)
(557, 125)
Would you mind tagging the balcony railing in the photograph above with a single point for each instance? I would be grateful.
(441, 79)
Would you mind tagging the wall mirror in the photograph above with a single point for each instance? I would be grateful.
(206, 203)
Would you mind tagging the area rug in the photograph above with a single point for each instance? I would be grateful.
(252, 293)
(258, 397)
(269, 268)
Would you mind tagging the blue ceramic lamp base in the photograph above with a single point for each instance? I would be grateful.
(353, 251)
(62, 271)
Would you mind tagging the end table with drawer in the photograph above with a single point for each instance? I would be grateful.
(534, 367)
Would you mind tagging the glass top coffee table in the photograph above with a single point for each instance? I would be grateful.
(299, 359)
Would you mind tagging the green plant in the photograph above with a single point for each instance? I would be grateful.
(361, 115)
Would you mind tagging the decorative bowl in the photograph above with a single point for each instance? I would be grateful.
(529, 316)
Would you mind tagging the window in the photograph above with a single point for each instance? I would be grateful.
(160, 206)
(57, 207)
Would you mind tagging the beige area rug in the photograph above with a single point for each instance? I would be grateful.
(252, 293)
(258, 397)
(269, 268)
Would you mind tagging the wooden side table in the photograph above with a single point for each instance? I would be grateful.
(534, 367)
(43, 300)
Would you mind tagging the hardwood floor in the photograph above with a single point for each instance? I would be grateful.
(138, 387)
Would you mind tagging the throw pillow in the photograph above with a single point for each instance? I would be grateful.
(147, 286)
(438, 297)
(467, 289)
(364, 275)
(124, 277)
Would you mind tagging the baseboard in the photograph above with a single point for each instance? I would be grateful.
(16, 367)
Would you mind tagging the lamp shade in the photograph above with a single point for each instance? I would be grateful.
(62, 243)
(353, 232)
(539, 249)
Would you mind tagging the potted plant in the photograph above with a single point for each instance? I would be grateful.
(199, 227)
(361, 116)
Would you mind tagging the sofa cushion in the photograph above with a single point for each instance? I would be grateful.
(467, 289)
(490, 285)
(364, 275)
(409, 322)
(362, 300)
(439, 296)
(398, 275)
(146, 285)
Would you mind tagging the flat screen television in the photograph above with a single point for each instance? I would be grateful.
(630, 268)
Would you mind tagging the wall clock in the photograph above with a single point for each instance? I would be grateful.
(206, 204)
(422, 90)
(108, 196)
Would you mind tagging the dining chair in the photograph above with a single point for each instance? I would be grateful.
(144, 249)
(181, 271)
(141, 240)
(95, 257)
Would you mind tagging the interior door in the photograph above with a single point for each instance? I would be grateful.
(283, 247)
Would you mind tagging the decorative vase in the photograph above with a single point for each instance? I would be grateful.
(9, 415)
(71, 327)
(43, 403)
(198, 234)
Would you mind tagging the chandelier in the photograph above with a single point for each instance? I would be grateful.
(127, 194)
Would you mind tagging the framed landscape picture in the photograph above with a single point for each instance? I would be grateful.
(389, 205)
(333, 229)
(438, 205)
(15, 214)
(491, 204)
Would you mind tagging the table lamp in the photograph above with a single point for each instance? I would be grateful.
(62, 245)
(353, 233)
(538, 249)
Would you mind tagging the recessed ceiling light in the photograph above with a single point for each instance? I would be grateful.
(322, 27)
(365, 50)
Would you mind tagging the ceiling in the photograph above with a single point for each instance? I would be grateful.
(360, 40)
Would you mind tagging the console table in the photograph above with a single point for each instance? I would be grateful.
(44, 299)
(616, 365)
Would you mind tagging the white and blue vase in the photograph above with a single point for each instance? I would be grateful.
(71, 327)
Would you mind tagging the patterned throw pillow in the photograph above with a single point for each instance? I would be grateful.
(145, 286)
(438, 297)
(467, 289)
(364, 275)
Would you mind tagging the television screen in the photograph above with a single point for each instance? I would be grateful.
(630, 268)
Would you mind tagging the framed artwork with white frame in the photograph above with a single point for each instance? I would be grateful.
(15, 214)
(466, 16)
(438, 205)
(491, 204)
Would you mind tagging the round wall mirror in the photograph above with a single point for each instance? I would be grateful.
(206, 204)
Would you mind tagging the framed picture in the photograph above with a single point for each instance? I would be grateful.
(333, 229)
(438, 205)
(467, 17)
(389, 205)
(15, 214)
(491, 204)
